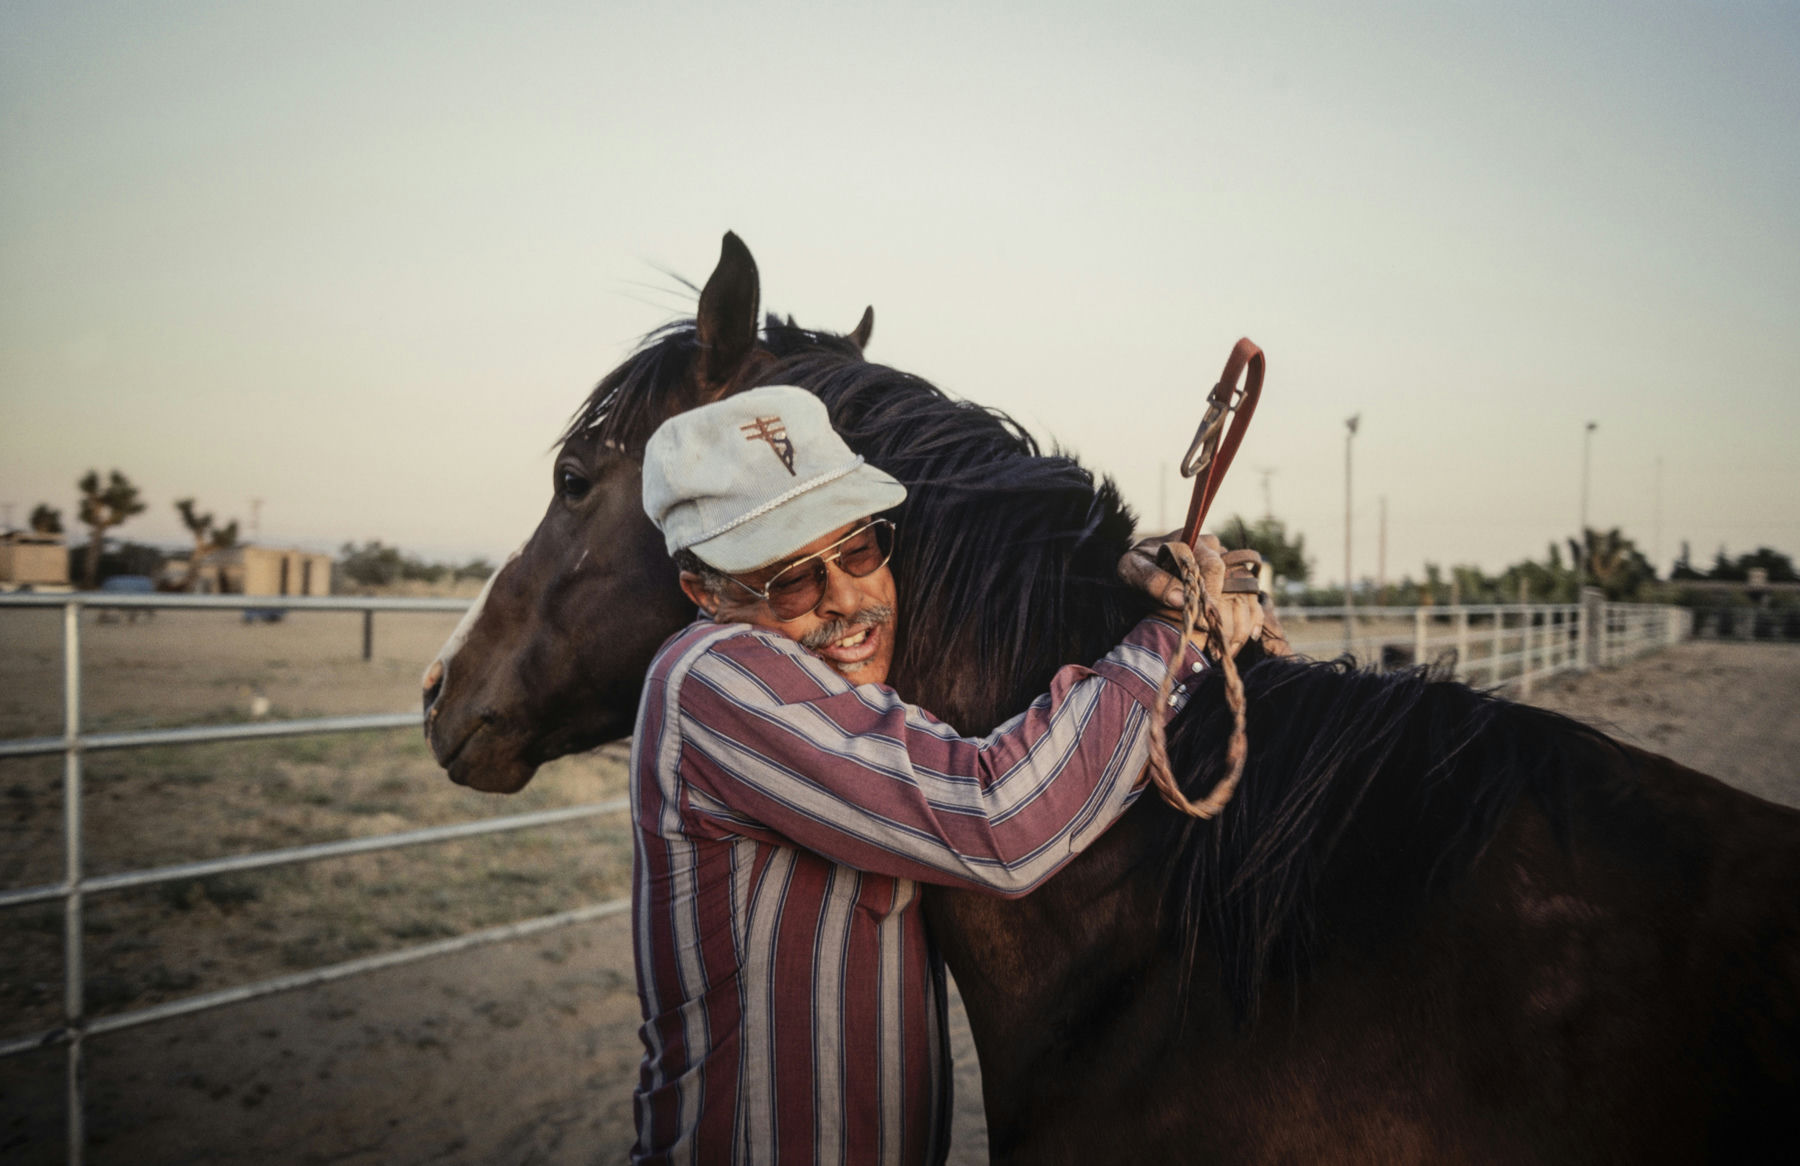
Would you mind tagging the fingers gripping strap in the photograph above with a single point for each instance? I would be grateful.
(1200, 607)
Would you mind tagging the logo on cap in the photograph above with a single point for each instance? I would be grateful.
(771, 430)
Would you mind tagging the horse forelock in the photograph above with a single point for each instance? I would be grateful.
(656, 381)
(641, 393)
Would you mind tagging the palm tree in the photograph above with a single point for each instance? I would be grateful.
(1613, 563)
(102, 508)
(208, 540)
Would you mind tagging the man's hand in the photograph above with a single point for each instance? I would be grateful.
(1241, 613)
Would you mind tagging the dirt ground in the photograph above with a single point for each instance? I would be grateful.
(520, 1053)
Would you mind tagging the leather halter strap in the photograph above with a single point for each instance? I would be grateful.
(1228, 413)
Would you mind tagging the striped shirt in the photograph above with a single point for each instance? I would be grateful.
(793, 1005)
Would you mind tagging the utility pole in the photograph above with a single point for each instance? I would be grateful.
(1349, 600)
(1656, 517)
(1381, 556)
(1581, 541)
(1267, 472)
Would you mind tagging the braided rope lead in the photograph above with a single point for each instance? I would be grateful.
(1199, 607)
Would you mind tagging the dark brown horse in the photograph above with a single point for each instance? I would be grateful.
(1433, 925)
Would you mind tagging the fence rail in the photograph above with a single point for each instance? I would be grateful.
(76, 886)
(1512, 646)
(1503, 645)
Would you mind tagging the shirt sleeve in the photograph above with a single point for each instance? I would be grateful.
(777, 744)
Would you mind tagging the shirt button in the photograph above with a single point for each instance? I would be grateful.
(1196, 666)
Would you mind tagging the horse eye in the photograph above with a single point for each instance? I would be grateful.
(571, 485)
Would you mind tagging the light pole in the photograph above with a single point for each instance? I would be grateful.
(1581, 540)
(1349, 437)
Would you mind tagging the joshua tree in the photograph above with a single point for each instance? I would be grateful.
(104, 506)
(46, 519)
(208, 539)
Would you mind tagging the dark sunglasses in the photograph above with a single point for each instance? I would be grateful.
(800, 585)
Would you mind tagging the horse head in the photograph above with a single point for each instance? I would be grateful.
(551, 658)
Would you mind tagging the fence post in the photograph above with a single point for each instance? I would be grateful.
(1499, 642)
(1461, 668)
(74, 988)
(368, 633)
(1420, 621)
(1527, 619)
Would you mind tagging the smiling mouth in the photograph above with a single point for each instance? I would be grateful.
(850, 653)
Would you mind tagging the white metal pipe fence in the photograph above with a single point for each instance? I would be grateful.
(1510, 646)
(76, 885)
(1491, 645)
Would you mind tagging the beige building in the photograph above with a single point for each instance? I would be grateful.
(252, 570)
(29, 559)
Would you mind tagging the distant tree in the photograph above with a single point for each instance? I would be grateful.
(1284, 555)
(209, 540)
(104, 506)
(412, 567)
(1430, 589)
(1725, 570)
(372, 564)
(1474, 586)
(1613, 563)
(1684, 567)
(477, 568)
(1779, 566)
(46, 519)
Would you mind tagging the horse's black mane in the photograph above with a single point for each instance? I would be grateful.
(1005, 572)
(633, 399)
(1396, 782)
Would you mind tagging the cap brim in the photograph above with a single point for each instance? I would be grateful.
(811, 516)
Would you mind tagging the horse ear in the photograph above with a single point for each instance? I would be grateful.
(726, 320)
(864, 329)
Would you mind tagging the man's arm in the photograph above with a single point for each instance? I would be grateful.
(775, 743)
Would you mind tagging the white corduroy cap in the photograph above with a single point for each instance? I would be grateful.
(753, 478)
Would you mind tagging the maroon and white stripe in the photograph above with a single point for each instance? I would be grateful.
(793, 1004)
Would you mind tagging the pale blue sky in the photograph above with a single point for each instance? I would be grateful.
(362, 260)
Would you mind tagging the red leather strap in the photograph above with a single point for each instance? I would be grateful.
(1233, 420)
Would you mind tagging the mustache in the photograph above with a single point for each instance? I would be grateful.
(874, 615)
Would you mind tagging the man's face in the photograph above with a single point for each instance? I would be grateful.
(851, 627)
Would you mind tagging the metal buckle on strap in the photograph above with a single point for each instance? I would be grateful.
(1222, 402)
(1228, 413)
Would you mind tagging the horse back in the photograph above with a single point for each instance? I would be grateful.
(1615, 978)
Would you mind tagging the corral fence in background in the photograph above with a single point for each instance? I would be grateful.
(1493, 646)
(1747, 623)
(76, 885)
(1510, 646)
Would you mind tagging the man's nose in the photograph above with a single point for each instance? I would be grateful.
(842, 599)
